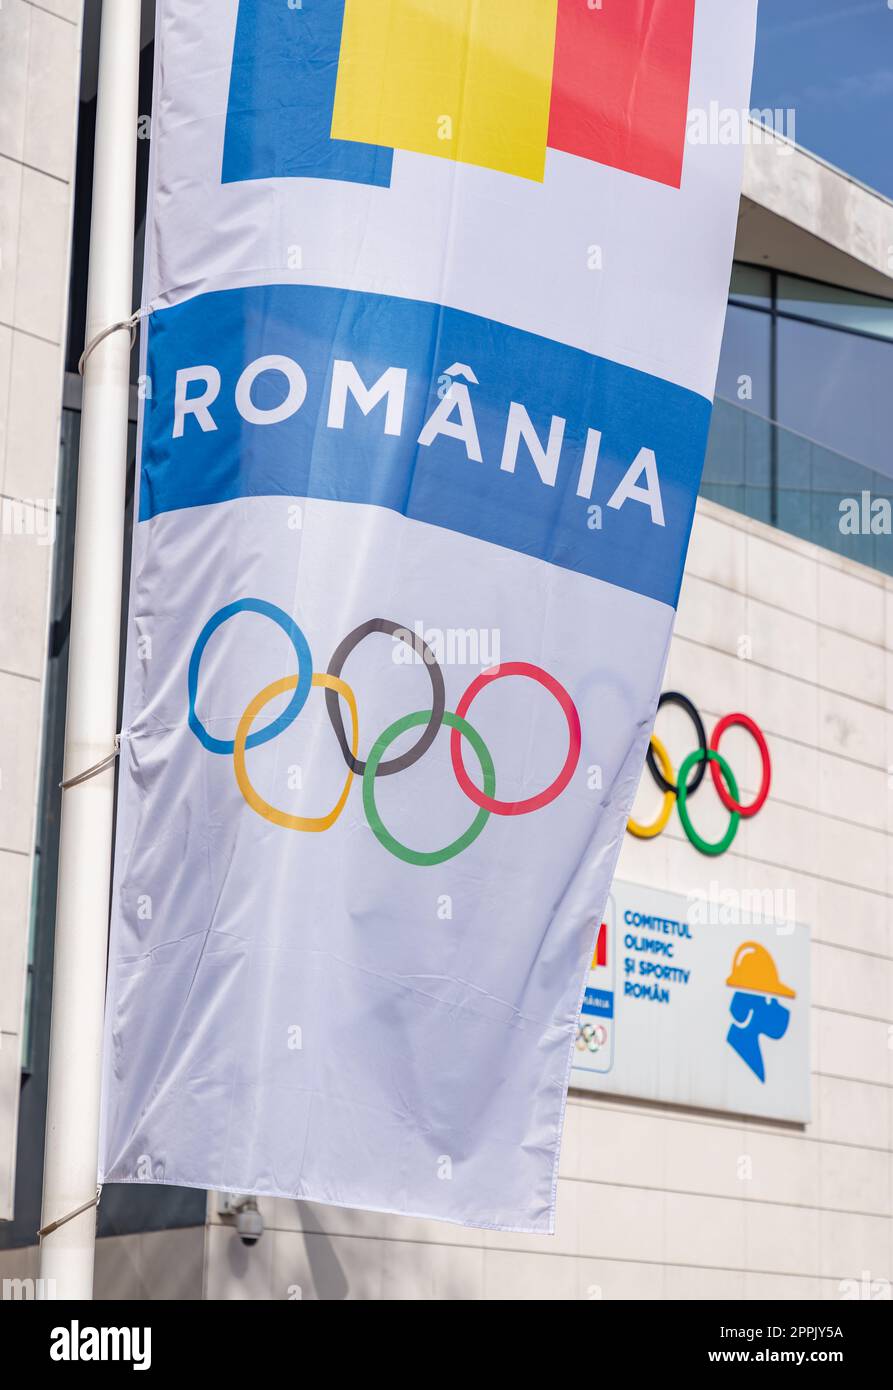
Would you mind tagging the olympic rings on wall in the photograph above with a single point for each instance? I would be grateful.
(648, 832)
(704, 845)
(591, 1037)
(766, 778)
(430, 721)
(666, 784)
(680, 791)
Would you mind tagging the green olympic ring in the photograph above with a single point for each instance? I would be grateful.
(382, 834)
(705, 846)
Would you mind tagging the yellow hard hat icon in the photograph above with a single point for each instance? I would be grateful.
(753, 968)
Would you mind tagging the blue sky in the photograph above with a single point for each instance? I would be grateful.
(832, 62)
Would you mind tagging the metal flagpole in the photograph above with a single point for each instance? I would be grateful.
(70, 1164)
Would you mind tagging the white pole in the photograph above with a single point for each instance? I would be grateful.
(82, 912)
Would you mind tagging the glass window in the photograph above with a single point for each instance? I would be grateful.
(835, 388)
(834, 306)
(744, 363)
(833, 401)
(751, 285)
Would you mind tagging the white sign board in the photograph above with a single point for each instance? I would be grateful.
(684, 1007)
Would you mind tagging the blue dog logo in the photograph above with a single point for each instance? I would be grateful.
(755, 1007)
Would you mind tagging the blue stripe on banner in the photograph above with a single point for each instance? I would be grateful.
(305, 456)
(599, 1002)
(282, 97)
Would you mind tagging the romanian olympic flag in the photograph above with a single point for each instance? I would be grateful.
(435, 296)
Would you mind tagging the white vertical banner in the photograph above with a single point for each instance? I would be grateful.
(436, 303)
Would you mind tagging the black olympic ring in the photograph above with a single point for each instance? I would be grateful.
(673, 697)
(432, 728)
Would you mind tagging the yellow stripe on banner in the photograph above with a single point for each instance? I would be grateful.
(469, 80)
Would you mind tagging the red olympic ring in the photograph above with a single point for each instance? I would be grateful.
(757, 734)
(533, 803)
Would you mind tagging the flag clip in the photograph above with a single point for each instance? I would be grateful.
(85, 1206)
(97, 767)
(130, 324)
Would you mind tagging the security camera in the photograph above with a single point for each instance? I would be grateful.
(249, 1222)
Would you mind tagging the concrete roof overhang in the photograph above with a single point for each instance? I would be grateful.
(802, 215)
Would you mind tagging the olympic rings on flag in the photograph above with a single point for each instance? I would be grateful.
(683, 789)
(302, 685)
(533, 803)
(336, 665)
(256, 802)
(410, 856)
(430, 722)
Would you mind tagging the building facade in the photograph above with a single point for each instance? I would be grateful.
(39, 76)
(786, 614)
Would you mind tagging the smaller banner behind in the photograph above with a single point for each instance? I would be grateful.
(682, 1006)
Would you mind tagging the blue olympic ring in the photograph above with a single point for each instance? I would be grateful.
(302, 689)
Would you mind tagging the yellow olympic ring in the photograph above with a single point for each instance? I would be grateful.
(256, 802)
(648, 832)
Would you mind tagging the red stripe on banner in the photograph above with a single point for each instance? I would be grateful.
(601, 948)
(620, 91)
